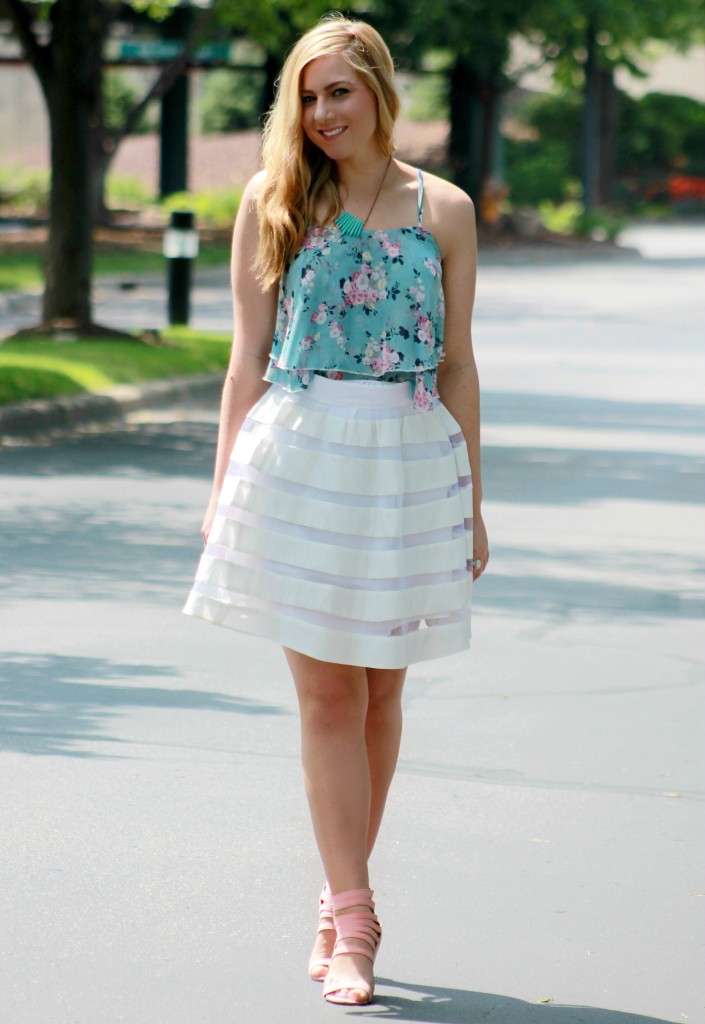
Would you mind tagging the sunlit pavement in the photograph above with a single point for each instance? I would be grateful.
(542, 855)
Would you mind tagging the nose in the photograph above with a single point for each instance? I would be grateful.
(322, 110)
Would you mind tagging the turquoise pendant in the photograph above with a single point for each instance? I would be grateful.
(350, 225)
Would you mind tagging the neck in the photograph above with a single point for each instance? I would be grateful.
(359, 175)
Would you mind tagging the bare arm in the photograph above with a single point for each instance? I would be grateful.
(458, 382)
(254, 316)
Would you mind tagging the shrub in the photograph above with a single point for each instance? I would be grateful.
(659, 135)
(539, 170)
(231, 100)
(546, 166)
(119, 97)
(130, 192)
(426, 98)
(23, 193)
(660, 132)
(570, 218)
(215, 208)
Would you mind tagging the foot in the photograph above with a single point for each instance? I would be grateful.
(350, 979)
(322, 951)
(321, 954)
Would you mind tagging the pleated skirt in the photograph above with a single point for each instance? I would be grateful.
(344, 527)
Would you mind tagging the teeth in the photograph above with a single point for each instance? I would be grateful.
(330, 134)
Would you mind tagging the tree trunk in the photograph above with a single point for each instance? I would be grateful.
(491, 98)
(173, 138)
(101, 150)
(590, 127)
(475, 102)
(466, 128)
(609, 130)
(100, 165)
(72, 101)
(272, 67)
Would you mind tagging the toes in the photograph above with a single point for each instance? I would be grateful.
(349, 996)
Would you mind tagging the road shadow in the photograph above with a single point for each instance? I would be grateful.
(182, 448)
(572, 476)
(553, 599)
(603, 465)
(562, 254)
(52, 704)
(499, 407)
(115, 549)
(435, 1005)
(98, 553)
(107, 549)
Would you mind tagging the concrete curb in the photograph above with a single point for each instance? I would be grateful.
(32, 418)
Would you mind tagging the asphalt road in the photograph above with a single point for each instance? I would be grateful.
(541, 859)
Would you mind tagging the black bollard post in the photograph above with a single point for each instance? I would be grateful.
(180, 249)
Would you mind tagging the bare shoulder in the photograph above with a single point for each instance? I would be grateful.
(449, 213)
(445, 194)
(247, 220)
(252, 190)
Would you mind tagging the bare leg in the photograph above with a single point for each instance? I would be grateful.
(333, 703)
(350, 728)
(382, 736)
(383, 725)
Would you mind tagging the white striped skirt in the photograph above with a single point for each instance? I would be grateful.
(344, 527)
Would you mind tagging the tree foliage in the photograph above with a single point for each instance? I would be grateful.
(231, 101)
(67, 58)
(660, 134)
(621, 28)
(473, 34)
(120, 96)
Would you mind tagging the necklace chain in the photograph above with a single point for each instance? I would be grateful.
(374, 201)
(352, 225)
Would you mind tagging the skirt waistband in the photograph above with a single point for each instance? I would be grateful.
(363, 393)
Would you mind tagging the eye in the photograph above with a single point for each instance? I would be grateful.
(341, 91)
(307, 99)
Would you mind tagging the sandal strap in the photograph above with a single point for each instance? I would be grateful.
(358, 931)
(326, 920)
(326, 923)
(353, 898)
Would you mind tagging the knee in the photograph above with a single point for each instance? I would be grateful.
(385, 692)
(336, 700)
(383, 715)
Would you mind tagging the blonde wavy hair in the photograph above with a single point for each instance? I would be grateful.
(298, 175)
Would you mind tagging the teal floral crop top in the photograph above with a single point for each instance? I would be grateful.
(368, 306)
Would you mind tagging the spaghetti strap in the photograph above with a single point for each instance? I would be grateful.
(420, 196)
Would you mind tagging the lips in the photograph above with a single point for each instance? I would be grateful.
(331, 133)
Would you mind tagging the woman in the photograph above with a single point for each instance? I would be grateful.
(342, 522)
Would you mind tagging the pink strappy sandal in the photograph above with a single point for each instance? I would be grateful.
(318, 965)
(358, 931)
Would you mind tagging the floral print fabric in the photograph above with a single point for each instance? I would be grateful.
(368, 306)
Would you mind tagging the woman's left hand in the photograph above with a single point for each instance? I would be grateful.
(480, 547)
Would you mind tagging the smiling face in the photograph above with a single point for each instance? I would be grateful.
(339, 111)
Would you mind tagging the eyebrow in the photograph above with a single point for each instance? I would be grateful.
(332, 85)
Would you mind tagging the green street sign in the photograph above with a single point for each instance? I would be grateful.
(163, 50)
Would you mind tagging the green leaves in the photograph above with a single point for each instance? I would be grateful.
(157, 9)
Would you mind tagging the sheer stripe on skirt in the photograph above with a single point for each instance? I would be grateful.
(344, 527)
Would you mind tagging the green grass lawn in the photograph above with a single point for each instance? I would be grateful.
(23, 271)
(47, 369)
